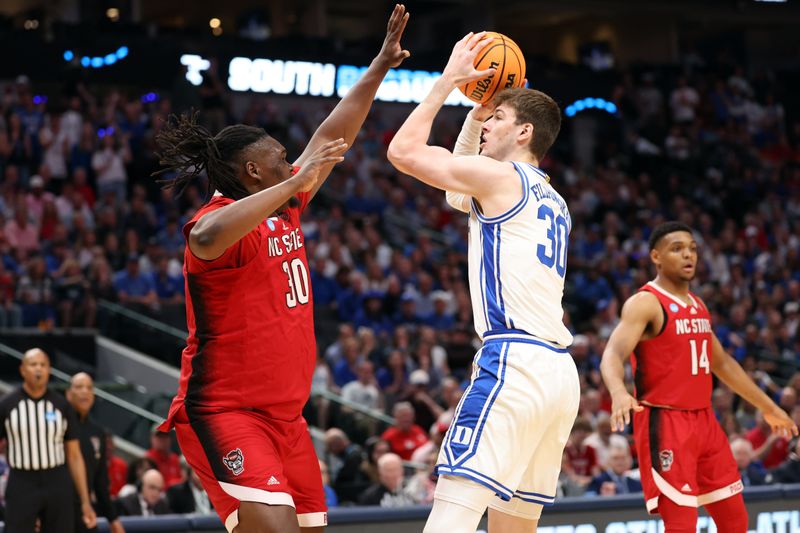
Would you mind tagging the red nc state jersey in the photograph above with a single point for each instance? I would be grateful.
(674, 368)
(249, 313)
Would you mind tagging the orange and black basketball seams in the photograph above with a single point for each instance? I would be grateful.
(504, 55)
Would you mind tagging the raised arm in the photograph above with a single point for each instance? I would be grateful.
(468, 143)
(349, 114)
(641, 310)
(477, 176)
(469, 139)
(216, 231)
(729, 372)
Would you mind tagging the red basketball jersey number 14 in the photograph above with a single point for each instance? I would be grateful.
(700, 362)
(674, 367)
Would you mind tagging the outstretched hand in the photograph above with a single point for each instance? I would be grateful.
(780, 423)
(460, 67)
(328, 154)
(621, 406)
(392, 52)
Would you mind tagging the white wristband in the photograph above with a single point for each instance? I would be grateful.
(469, 139)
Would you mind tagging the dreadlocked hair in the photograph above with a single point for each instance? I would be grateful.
(186, 148)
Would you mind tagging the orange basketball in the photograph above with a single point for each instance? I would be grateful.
(504, 55)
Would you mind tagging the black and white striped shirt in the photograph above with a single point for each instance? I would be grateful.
(36, 429)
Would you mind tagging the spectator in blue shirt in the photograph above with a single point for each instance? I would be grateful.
(171, 238)
(371, 314)
(616, 479)
(350, 300)
(325, 288)
(591, 286)
(135, 288)
(344, 371)
(331, 500)
(753, 472)
(407, 313)
(169, 288)
(442, 319)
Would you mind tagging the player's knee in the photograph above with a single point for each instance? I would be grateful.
(730, 514)
(458, 506)
(450, 517)
(500, 521)
(463, 491)
(260, 518)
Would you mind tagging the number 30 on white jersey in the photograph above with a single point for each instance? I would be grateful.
(518, 261)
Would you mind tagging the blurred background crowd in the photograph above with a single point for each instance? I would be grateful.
(82, 221)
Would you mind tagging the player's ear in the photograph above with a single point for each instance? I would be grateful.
(526, 132)
(251, 167)
(654, 257)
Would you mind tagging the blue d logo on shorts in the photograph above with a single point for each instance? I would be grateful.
(470, 417)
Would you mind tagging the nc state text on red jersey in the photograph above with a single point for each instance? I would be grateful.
(687, 326)
(285, 244)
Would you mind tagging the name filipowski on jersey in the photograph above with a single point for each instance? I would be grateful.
(542, 192)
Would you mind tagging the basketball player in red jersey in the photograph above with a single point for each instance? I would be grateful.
(684, 456)
(246, 371)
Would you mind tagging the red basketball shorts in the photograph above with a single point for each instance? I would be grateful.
(243, 455)
(685, 456)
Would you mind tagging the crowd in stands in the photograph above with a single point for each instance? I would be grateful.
(81, 220)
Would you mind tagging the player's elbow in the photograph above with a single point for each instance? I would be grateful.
(399, 154)
(202, 235)
(202, 239)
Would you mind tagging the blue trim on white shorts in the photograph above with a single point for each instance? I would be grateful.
(477, 403)
(535, 497)
(518, 335)
(545, 503)
(503, 492)
(498, 488)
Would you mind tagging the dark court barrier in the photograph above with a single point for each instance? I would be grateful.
(773, 509)
(72, 350)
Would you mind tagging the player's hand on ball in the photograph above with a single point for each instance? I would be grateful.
(621, 406)
(391, 51)
(460, 67)
(482, 112)
(328, 154)
(780, 423)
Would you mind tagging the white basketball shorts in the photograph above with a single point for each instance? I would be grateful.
(511, 426)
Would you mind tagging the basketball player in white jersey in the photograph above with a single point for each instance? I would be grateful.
(503, 449)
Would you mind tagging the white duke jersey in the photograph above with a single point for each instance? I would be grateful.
(517, 263)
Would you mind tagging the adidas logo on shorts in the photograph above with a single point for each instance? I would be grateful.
(273, 481)
(686, 488)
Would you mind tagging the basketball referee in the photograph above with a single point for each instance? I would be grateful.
(40, 427)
